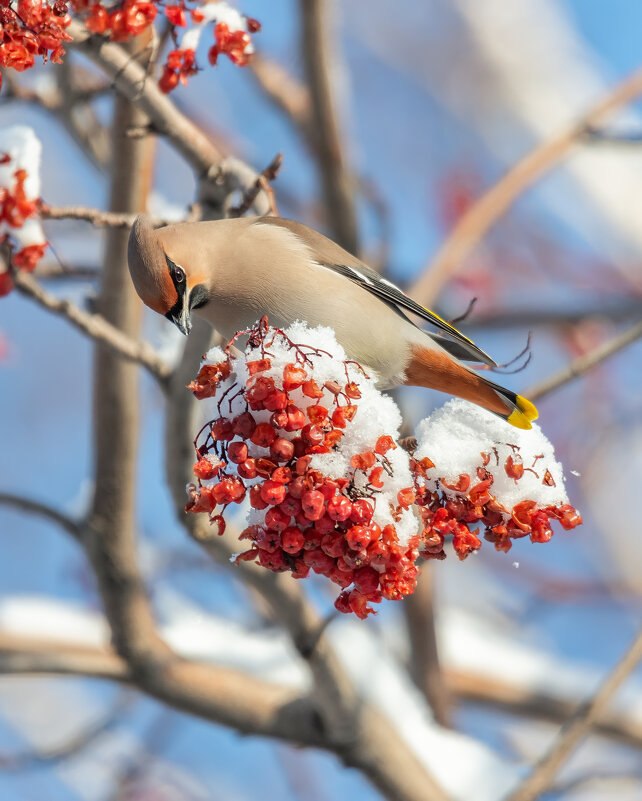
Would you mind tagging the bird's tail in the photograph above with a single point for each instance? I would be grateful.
(435, 369)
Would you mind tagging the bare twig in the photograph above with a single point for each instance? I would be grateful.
(94, 326)
(586, 362)
(541, 704)
(30, 506)
(262, 183)
(577, 727)
(496, 201)
(97, 217)
(320, 63)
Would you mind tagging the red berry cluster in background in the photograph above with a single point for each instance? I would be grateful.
(308, 521)
(32, 28)
(35, 28)
(469, 501)
(15, 208)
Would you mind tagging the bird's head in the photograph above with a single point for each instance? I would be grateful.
(163, 271)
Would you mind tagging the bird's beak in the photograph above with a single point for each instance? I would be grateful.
(182, 320)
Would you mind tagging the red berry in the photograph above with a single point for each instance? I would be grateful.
(312, 435)
(275, 562)
(256, 498)
(362, 511)
(317, 414)
(343, 414)
(282, 450)
(292, 540)
(358, 537)
(324, 525)
(384, 444)
(276, 519)
(291, 506)
(205, 469)
(363, 461)
(296, 418)
(273, 493)
(247, 469)
(275, 401)
(339, 508)
(312, 504)
(293, 377)
(237, 452)
(282, 475)
(264, 467)
(264, 435)
(244, 425)
(311, 389)
(297, 487)
(366, 580)
(222, 430)
(279, 419)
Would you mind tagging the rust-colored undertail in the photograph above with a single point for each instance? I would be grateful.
(437, 370)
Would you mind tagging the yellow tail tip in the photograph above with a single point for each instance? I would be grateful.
(525, 412)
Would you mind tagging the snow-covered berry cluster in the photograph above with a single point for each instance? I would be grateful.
(19, 195)
(304, 436)
(30, 28)
(307, 436)
(468, 474)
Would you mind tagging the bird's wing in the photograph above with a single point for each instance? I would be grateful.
(328, 254)
(387, 291)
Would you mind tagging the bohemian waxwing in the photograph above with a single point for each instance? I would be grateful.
(232, 272)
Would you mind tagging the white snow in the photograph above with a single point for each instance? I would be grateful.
(24, 148)
(455, 436)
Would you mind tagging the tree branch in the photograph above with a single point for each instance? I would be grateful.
(94, 326)
(577, 727)
(475, 223)
(319, 61)
(97, 217)
(30, 506)
(586, 362)
(425, 667)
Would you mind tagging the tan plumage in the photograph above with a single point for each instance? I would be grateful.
(232, 272)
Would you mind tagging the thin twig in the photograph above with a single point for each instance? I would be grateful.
(30, 506)
(474, 224)
(539, 703)
(262, 183)
(586, 362)
(95, 327)
(577, 727)
(111, 219)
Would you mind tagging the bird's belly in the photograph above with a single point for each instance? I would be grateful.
(376, 342)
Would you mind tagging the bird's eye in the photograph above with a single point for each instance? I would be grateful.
(179, 274)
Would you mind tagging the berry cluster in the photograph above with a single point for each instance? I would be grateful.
(31, 28)
(510, 490)
(284, 423)
(15, 209)
(305, 436)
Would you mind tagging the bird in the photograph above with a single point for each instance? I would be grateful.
(232, 272)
